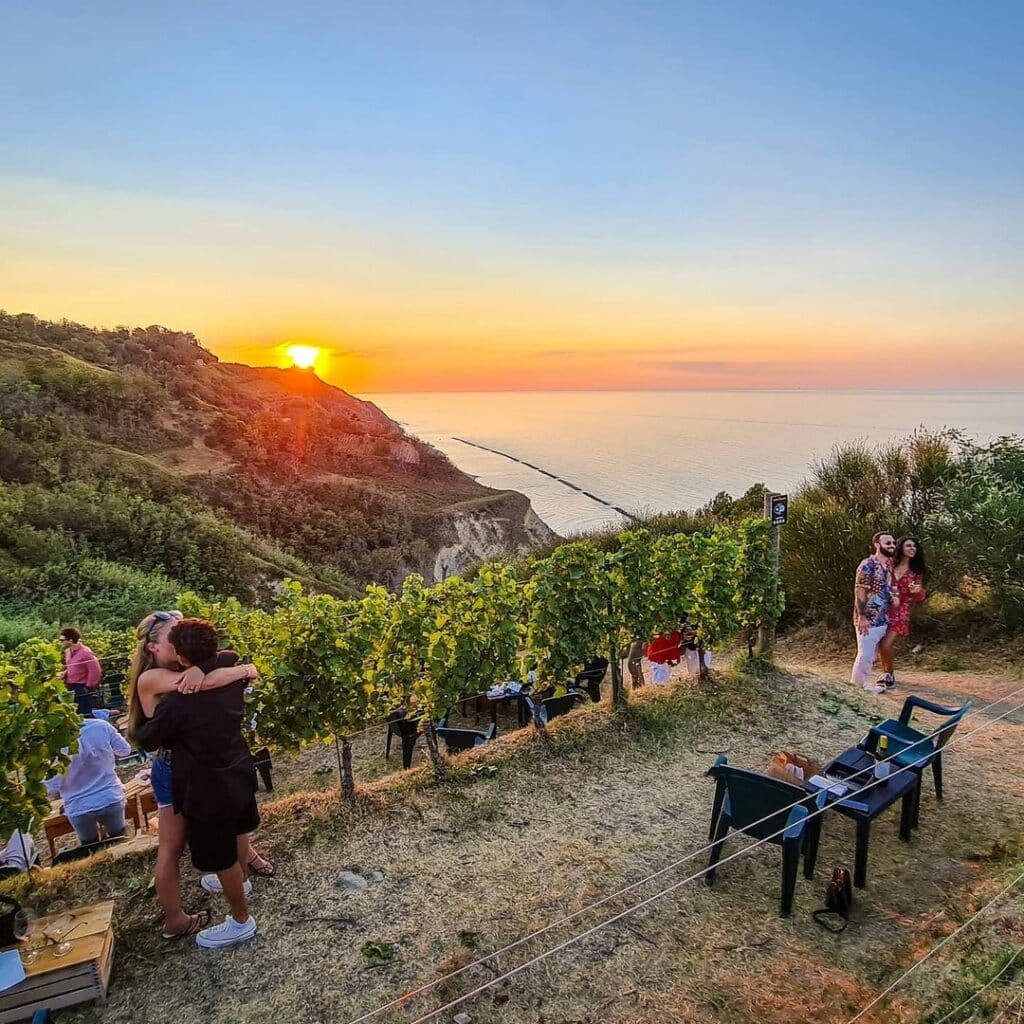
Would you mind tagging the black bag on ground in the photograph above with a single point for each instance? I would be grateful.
(838, 900)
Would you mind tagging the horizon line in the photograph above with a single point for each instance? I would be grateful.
(988, 390)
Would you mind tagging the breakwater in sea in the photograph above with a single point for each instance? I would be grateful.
(553, 476)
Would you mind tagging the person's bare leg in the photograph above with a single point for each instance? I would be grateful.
(245, 854)
(168, 872)
(232, 880)
(885, 652)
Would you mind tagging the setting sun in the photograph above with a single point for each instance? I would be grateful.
(303, 356)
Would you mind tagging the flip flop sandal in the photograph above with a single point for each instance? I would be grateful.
(267, 871)
(196, 923)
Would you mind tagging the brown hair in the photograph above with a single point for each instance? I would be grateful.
(142, 661)
(195, 640)
(70, 633)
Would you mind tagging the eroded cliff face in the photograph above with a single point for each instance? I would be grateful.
(504, 525)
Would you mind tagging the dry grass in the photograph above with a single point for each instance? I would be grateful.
(559, 822)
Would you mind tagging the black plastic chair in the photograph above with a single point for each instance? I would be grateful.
(86, 850)
(110, 692)
(262, 763)
(407, 730)
(743, 798)
(457, 740)
(552, 707)
(591, 677)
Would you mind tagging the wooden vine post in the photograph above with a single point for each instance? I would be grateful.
(614, 664)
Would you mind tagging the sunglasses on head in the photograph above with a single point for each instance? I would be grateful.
(161, 617)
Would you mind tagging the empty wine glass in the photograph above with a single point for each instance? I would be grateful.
(64, 946)
(34, 945)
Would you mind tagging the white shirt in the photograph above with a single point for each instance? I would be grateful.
(90, 783)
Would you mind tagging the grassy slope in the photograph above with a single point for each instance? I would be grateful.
(559, 823)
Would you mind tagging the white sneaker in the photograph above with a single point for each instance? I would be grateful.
(211, 883)
(870, 687)
(228, 933)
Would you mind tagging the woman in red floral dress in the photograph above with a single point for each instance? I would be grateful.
(908, 573)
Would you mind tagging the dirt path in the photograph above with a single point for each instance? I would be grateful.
(480, 864)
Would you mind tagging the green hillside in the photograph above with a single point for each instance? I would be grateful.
(133, 463)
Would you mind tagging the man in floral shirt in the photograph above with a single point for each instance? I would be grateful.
(873, 595)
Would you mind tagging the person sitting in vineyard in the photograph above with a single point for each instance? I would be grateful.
(689, 647)
(663, 652)
(213, 775)
(634, 662)
(89, 787)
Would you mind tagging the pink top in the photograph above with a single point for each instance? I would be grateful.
(82, 667)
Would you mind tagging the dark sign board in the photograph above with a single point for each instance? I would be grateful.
(778, 509)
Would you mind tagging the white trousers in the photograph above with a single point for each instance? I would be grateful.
(867, 647)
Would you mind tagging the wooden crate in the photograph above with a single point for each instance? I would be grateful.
(82, 975)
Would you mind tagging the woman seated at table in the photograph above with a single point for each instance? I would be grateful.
(91, 791)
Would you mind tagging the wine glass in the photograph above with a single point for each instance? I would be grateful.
(34, 938)
(64, 946)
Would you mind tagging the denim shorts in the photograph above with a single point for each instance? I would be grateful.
(160, 779)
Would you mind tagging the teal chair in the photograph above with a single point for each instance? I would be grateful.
(911, 748)
(743, 798)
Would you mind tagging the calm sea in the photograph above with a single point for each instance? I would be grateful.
(665, 450)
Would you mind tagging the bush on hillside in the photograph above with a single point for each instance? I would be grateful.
(85, 592)
(964, 501)
(978, 529)
(16, 629)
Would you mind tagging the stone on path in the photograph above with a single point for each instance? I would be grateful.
(352, 882)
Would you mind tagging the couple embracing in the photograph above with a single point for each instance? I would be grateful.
(888, 582)
(187, 703)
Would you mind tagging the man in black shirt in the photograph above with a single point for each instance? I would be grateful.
(212, 774)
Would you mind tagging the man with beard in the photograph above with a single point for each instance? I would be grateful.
(873, 595)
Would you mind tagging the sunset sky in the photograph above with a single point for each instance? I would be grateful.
(463, 196)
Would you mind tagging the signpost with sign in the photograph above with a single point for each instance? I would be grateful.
(776, 511)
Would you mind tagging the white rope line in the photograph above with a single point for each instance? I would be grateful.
(949, 938)
(657, 896)
(406, 997)
(991, 981)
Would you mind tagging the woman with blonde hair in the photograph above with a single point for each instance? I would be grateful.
(154, 671)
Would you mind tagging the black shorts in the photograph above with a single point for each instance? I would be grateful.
(214, 844)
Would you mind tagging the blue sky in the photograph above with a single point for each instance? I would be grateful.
(855, 168)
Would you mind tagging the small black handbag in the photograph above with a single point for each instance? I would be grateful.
(838, 900)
